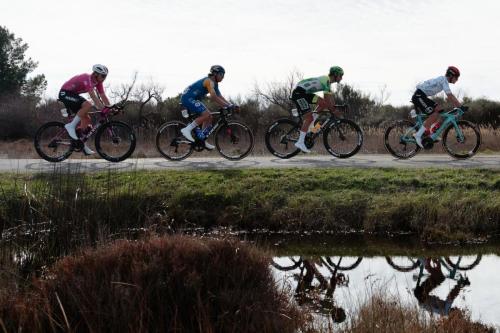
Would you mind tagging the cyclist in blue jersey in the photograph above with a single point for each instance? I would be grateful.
(304, 95)
(426, 105)
(191, 100)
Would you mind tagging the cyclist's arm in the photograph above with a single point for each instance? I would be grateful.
(97, 102)
(105, 98)
(451, 98)
(214, 96)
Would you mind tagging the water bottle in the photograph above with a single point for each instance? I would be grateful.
(207, 130)
(413, 114)
(199, 133)
(316, 127)
(64, 113)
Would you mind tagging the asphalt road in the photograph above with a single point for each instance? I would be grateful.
(208, 163)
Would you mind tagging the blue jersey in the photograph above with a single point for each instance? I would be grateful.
(200, 89)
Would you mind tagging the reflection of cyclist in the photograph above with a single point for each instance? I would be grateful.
(70, 95)
(191, 100)
(304, 95)
(432, 303)
(305, 292)
(430, 88)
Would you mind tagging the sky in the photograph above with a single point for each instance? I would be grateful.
(383, 45)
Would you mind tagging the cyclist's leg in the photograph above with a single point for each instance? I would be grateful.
(303, 100)
(75, 103)
(197, 107)
(426, 105)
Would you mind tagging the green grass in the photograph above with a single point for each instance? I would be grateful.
(433, 204)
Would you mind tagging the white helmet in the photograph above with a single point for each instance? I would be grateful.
(100, 69)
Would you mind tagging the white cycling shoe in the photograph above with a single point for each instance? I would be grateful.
(87, 151)
(71, 131)
(208, 146)
(302, 146)
(187, 134)
(418, 139)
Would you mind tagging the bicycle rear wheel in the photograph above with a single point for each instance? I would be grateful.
(343, 138)
(234, 140)
(52, 142)
(464, 144)
(281, 137)
(344, 263)
(464, 263)
(403, 264)
(115, 141)
(171, 143)
(399, 140)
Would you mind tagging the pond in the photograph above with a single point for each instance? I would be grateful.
(342, 274)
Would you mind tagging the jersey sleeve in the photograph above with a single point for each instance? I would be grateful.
(210, 86)
(446, 86)
(100, 88)
(325, 84)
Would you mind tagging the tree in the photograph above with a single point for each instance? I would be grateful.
(14, 67)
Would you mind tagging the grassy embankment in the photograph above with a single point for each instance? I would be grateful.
(432, 204)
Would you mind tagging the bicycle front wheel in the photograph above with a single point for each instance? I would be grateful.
(115, 141)
(52, 142)
(343, 138)
(171, 143)
(462, 142)
(234, 140)
(281, 137)
(399, 140)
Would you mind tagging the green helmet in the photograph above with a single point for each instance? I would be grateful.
(336, 70)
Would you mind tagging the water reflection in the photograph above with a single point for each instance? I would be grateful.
(315, 281)
(315, 288)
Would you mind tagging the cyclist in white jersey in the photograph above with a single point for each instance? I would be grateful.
(304, 95)
(424, 104)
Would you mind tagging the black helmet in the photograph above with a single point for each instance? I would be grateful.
(217, 69)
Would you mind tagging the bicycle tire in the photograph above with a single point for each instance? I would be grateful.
(345, 130)
(108, 138)
(288, 267)
(169, 139)
(468, 152)
(403, 268)
(45, 140)
(287, 133)
(343, 267)
(234, 140)
(395, 131)
(464, 267)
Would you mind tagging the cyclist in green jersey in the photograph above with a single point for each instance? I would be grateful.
(304, 95)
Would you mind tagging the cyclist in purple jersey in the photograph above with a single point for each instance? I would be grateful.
(191, 99)
(424, 104)
(74, 102)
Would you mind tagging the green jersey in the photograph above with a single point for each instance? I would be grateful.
(315, 84)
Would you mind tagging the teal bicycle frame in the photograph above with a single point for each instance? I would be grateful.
(450, 118)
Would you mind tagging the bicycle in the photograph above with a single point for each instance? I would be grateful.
(342, 137)
(452, 264)
(461, 139)
(114, 140)
(233, 140)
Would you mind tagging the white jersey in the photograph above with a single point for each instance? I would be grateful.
(435, 86)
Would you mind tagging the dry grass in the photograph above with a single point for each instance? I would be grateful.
(165, 284)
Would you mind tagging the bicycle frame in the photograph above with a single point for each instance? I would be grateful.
(331, 119)
(450, 119)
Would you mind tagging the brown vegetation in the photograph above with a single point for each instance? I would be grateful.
(164, 284)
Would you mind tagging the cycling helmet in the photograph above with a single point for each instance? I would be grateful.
(216, 69)
(452, 71)
(336, 70)
(100, 69)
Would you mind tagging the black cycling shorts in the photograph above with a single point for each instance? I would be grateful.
(302, 100)
(72, 101)
(422, 102)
